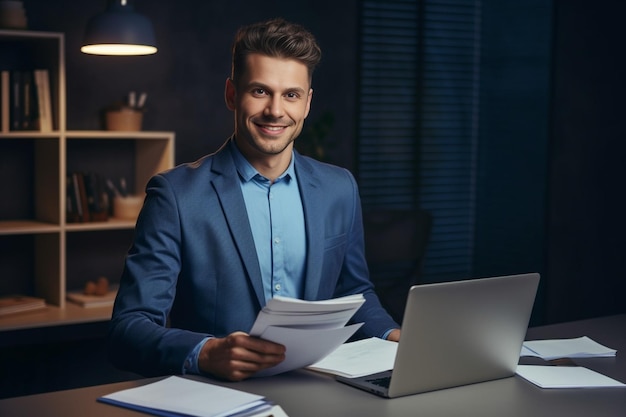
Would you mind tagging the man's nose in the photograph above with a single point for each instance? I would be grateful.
(275, 107)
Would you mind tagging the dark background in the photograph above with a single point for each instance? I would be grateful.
(551, 150)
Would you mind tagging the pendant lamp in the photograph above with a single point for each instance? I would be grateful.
(119, 31)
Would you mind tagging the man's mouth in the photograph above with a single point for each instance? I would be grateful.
(272, 129)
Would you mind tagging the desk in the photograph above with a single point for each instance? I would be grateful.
(303, 393)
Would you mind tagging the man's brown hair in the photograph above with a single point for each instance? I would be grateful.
(275, 38)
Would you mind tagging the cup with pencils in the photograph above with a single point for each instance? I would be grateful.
(126, 116)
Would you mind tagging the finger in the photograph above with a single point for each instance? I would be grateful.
(255, 344)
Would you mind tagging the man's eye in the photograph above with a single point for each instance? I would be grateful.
(292, 95)
(259, 92)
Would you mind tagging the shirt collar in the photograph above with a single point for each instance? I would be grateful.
(247, 172)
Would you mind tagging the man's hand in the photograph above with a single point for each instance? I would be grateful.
(394, 336)
(239, 356)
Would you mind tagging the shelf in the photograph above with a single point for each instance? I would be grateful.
(29, 134)
(55, 316)
(104, 134)
(111, 224)
(17, 227)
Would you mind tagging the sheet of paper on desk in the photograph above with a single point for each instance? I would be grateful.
(355, 359)
(581, 347)
(566, 377)
(176, 396)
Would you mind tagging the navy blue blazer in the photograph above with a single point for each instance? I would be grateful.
(193, 271)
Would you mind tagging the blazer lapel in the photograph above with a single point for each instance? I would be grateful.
(228, 191)
(311, 193)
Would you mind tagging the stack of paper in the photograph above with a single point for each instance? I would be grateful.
(176, 396)
(582, 347)
(309, 330)
(566, 376)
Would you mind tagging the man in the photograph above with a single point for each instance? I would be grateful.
(219, 237)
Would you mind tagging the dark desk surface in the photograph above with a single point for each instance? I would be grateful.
(304, 393)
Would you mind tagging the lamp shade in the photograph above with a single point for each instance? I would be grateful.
(119, 31)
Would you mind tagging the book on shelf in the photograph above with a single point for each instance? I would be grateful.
(80, 196)
(12, 304)
(44, 101)
(90, 301)
(29, 118)
(15, 100)
(87, 198)
(5, 100)
(26, 100)
(97, 197)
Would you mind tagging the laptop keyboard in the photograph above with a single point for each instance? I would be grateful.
(381, 382)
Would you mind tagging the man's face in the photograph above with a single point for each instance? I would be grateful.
(271, 101)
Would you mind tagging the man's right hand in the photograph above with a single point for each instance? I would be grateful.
(239, 356)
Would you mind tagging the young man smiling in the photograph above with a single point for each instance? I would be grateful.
(219, 237)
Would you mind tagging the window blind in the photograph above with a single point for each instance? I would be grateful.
(417, 119)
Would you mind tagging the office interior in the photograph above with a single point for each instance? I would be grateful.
(551, 150)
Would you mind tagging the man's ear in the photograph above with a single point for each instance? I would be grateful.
(229, 94)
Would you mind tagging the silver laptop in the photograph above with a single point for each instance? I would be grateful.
(457, 333)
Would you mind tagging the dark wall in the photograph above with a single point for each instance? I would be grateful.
(185, 79)
(513, 140)
(587, 208)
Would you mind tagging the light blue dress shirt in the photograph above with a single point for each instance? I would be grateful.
(277, 221)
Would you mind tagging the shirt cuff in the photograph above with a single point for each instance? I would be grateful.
(191, 363)
(386, 334)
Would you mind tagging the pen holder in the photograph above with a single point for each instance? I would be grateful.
(128, 207)
(125, 119)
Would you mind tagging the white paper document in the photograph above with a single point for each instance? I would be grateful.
(355, 359)
(176, 396)
(291, 312)
(566, 377)
(309, 330)
(582, 347)
(304, 347)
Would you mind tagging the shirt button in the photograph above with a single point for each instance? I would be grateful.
(277, 287)
(277, 240)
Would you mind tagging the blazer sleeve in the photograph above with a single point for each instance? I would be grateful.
(139, 339)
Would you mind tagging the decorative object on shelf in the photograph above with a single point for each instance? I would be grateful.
(97, 287)
(127, 207)
(124, 119)
(119, 31)
(126, 116)
(12, 15)
(97, 293)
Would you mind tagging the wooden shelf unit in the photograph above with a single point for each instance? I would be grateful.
(41, 254)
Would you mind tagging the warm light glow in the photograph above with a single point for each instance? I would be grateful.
(118, 49)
